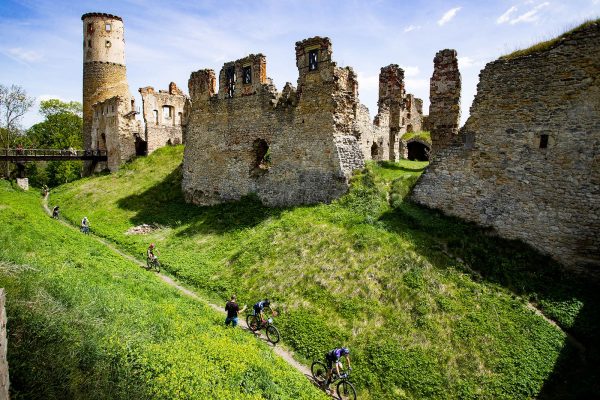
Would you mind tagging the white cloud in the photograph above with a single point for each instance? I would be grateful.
(506, 16)
(447, 17)
(417, 85)
(410, 71)
(43, 97)
(529, 16)
(27, 56)
(367, 82)
(415, 27)
(468, 62)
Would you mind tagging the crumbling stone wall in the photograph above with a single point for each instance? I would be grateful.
(4, 381)
(114, 129)
(164, 116)
(293, 147)
(444, 98)
(527, 162)
(413, 113)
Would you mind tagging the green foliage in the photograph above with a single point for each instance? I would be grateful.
(86, 323)
(422, 135)
(56, 107)
(430, 306)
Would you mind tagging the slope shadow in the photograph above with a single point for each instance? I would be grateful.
(525, 272)
(163, 204)
(395, 166)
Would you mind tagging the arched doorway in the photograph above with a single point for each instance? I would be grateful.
(375, 151)
(418, 151)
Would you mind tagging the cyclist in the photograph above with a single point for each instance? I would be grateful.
(150, 253)
(85, 225)
(333, 359)
(259, 308)
(55, 212)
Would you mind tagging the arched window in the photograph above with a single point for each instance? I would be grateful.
(155, 112)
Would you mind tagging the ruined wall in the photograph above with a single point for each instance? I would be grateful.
(114, 129)
(164, 116)
(4, 381)
(413, 114)
(527, 162)
(293, 147)
(444, 98)
(391, 108)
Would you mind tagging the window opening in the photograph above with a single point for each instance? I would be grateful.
(247, 74)
(155, 112)
(543, 141)
(313, 59)
(89, 43)
(108, 27)
(262, 154)
(90, 28)
(107, 44)
(374, 151)
(230, 76)
(167, 112)
(180, 118)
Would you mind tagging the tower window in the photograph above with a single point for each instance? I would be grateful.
(247, 74)
(167, 112)
(90, 28)
(543, 141)
(155, 112)
(230, 76)
(108, 27)
(89, 43)
(107, 44)
(313, 59)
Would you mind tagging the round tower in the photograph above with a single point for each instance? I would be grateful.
(104, 72)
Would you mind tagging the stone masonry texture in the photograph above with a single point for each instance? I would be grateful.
(4, 381)
(527, 162)
(164, 116)
(291, 147)
(444, 99)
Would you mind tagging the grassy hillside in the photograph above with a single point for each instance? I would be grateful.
(85, 323)
(431, 307)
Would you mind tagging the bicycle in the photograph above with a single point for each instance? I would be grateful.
(344, 388)
(152, 263)
(254, 324)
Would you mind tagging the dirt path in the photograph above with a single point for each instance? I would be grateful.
(280, 351)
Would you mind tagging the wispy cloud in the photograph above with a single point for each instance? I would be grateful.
(23, 55)
(415, 27)
(506, 16)
(367, 82)
(529, 16)
(411, 71)
(447, 17)
(468, 62)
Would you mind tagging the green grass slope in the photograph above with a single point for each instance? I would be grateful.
(85, 323)
(430, 306)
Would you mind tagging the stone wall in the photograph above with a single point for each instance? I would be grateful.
(115, 129)
(164, 116)
(444, 99)
(293, 147)
(527, 162)
(4, 381)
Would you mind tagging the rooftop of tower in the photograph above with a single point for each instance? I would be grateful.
(97, 14)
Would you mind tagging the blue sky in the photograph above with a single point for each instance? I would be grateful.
(41, 50)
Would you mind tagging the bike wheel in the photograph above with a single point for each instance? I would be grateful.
(272, 334)
(253, 322)
(319, 372)
(157, 266)
(346, 391)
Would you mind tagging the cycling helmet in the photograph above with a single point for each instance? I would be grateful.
(266, 303)
(345, 351)
(151, 245)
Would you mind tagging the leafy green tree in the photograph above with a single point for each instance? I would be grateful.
(14, 103)
(62, 128)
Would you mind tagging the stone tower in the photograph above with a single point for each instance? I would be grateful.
(104, 72)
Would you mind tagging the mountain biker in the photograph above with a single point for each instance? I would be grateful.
(55, 211)
(232, 309)
(259, 308)
(150, 253)
(85, 225)
(333, 358)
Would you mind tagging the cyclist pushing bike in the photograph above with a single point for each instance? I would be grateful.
(151, 258)
(333, 359)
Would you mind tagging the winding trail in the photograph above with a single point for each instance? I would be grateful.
(286, 355)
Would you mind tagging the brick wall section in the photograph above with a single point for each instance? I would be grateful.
(495, 172)
(114, 129)
(4, 381)
(309, 131)
(444, 99)
(168, 129)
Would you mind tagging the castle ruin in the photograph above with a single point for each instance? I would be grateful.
(527, 162)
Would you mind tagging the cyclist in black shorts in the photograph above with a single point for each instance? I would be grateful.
(259, 307)
(333, 359)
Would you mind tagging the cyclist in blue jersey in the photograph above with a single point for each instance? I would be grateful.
(259, 308)
(333, 359)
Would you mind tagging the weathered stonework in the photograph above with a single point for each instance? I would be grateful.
(4, 381)
(23, 183)
(164, 116)
(444, 99)
(293, 147)
(114, 129)
(527, 162)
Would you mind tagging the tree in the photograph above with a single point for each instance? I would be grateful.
(62, 128)
(14, 103)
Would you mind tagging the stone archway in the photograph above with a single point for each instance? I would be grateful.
(375, 152)
(418, 150)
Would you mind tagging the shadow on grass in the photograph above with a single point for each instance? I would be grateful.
(398, 167)
(569, 299)
(163, 204)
